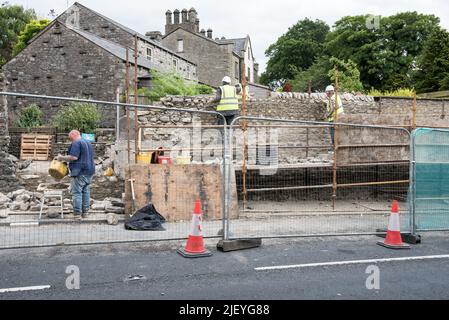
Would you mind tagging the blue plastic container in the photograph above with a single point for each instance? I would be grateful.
(88, 136)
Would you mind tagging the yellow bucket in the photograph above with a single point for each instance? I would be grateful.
(58, 169)
(144, 157)
(183, 160)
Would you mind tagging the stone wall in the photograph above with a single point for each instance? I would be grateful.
(359, 109)
(213, 60)
(62, 63)
(8, 180)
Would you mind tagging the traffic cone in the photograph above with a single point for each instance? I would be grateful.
(195, 243)
(394, 239)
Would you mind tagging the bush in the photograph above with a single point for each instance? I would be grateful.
(172, 84)
(83, 117)
(30, 117)
(404, 92)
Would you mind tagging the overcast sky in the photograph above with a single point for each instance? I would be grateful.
(263, 20)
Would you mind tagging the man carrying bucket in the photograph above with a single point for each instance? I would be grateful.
(82, 168)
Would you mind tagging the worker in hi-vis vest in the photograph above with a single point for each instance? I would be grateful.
(241, 90)
(228, 101)
(334, 108)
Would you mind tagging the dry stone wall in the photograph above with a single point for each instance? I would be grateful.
(8, 181)
(358, 109)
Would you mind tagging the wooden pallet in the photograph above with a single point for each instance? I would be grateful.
(36, 147)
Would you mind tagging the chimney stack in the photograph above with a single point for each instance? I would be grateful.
(192, 15)
(168, 17)
(176, 17)
(209, 33)
(184, 16)
(154, 35)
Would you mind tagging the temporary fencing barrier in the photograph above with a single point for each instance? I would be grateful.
(291, 180)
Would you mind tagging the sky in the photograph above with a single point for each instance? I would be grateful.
(263, 20)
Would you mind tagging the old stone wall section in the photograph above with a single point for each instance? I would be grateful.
(8, 181)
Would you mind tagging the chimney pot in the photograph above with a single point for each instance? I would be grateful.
(209, 33)
(176, 16)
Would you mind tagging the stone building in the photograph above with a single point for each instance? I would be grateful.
(83, 54)
(215, 58)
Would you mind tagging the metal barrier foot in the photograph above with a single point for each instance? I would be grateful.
(241, 244)
(406, 237)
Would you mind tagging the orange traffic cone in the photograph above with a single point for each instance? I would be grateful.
(394, 239)
(195, 243)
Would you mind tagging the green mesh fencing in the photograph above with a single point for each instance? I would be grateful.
(429, 192)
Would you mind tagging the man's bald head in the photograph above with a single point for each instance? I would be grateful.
(74, 135)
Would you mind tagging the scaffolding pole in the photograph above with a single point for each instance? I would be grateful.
(136, 81)
(128, 119)
(334, 167)
(245, 136)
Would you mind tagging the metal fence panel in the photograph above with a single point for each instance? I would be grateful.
(291, 180)
(430, 188)
(203, 144)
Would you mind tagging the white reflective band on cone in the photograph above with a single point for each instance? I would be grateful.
(196, 226)
(393, 225)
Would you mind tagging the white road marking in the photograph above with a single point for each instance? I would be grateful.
(24, 289)
(342, 263)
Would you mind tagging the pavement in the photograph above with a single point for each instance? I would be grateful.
(154, 271)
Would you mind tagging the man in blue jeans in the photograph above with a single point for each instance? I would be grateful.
(82, 168)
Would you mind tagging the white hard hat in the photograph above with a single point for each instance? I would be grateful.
(330, 88)
(226, 79)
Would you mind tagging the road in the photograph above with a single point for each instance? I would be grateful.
(230, 276)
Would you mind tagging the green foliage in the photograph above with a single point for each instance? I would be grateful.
(294, 51)
(83, 117)
(386, 55)
(30, 30)
(433, 65)
(316, 76)
(348, 75)
(13, 20)
(403, 92)
(322, 73)
(30, 117)
(172, 84)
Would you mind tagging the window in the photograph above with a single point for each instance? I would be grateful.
(149, 54)
(175, 64)
(180, 45)
(248, 75)
(236, 71)
(249, 54)
(188, 72)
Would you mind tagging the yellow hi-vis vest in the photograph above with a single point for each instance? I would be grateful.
(229, 100)
(240, 95)
(338, 111)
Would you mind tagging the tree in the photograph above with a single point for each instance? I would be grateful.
(294, 51)
(316, 76)
(322, 73)
(433, 64)
(348, 75)
(385, 55)
(404, 35)
(13, 20)
(28, 33)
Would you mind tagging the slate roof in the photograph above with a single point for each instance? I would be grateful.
(115, 49)
(133, 32)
